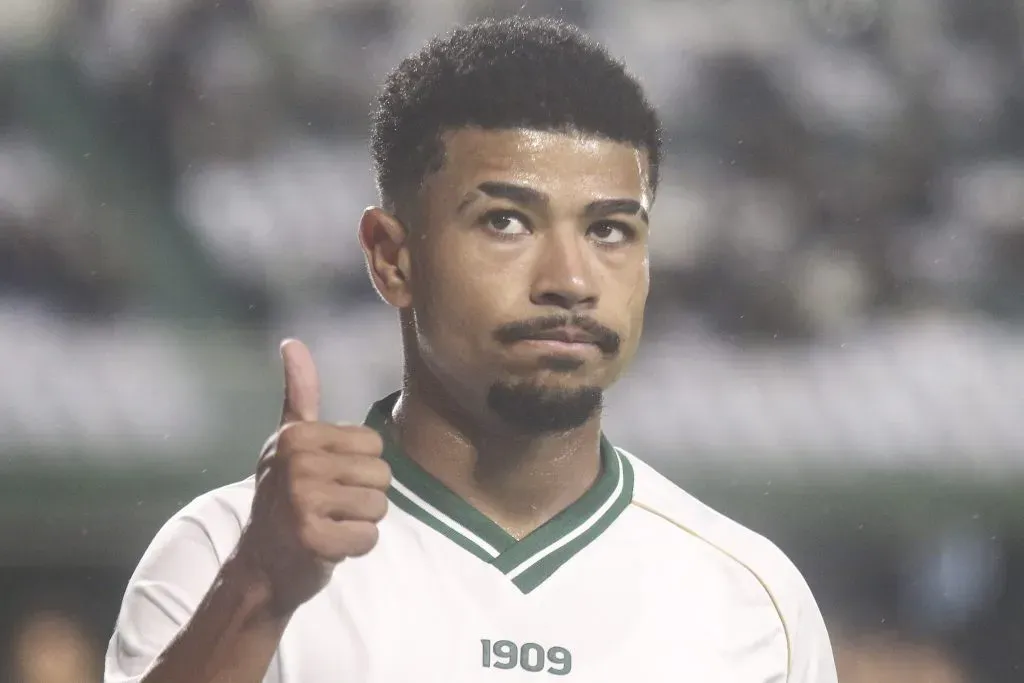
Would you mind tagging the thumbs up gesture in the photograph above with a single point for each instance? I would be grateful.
(320, 491)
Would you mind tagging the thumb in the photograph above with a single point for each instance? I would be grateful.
(301, 384)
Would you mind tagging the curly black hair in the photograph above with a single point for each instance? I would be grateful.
(539, 74)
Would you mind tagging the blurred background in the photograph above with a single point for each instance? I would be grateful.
(835, 347)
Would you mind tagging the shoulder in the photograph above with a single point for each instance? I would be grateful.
(175, 572)
(210, 524)
(226, 504)
(762, 558)
(658, 495)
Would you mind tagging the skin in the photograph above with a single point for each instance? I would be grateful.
(464, 271)
(456, 278)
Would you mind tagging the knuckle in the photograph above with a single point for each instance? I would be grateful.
(382, 473)
(298, 492)
(306, 499)
(333, 555)
(359, 538)
(364, 503)
(374, 441)
(360, 439)
(376, 505)
(367, 471)
(308, 533)
(304, 465)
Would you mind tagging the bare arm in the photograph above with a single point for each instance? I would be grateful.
(232, 636)
(191, 617)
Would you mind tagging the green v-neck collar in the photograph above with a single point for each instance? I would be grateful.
(527, 562)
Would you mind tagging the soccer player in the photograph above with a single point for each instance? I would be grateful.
(479, 526)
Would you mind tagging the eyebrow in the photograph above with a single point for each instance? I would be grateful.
(527, 196)
(607, 207)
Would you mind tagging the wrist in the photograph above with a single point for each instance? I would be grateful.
(243, 576)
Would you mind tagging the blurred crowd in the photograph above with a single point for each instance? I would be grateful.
(838, 249)
(842, 175)
(830, 162)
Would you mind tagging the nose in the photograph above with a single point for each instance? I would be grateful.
(564, 274)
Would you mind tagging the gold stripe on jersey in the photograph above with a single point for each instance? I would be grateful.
(757, 577)
(529, 561)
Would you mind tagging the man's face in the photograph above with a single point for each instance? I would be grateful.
(530, 272)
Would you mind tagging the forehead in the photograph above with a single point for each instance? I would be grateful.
(569, 168)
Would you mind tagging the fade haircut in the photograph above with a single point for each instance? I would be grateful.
(537, 74)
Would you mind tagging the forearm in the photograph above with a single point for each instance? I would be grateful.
(231, 638)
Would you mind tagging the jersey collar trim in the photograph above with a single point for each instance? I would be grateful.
(527, 562)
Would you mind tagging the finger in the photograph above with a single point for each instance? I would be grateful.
(327, 438)
(362, 470)
(301, 384)
(311, 468)
(334, 541)
(349, 503)
(351, 440)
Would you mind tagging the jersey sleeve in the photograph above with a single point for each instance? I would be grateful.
(170, 582)
(811, 657)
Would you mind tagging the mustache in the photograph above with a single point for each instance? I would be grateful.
(605, 338)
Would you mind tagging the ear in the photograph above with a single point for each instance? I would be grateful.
(383, 239)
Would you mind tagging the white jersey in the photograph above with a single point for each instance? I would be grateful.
(636, 581)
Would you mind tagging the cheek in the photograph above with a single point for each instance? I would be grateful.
(639, 300)
(635, 288)
(458, 304)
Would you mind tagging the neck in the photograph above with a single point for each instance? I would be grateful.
(519, 481)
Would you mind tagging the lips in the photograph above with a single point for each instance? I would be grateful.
(567, 335)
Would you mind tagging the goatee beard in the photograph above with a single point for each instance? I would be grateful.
(534, 409)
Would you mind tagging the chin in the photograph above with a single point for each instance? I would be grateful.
(542, 407)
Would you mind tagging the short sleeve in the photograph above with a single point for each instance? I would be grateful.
(811, 657)
(172, 579)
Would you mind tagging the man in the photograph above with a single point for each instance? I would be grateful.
(479, 527)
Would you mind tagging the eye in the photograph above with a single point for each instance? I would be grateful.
(611, 232)
(506, 224)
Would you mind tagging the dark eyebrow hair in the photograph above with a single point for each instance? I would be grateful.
(513, 193)
(606, 207)
(528, 196)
